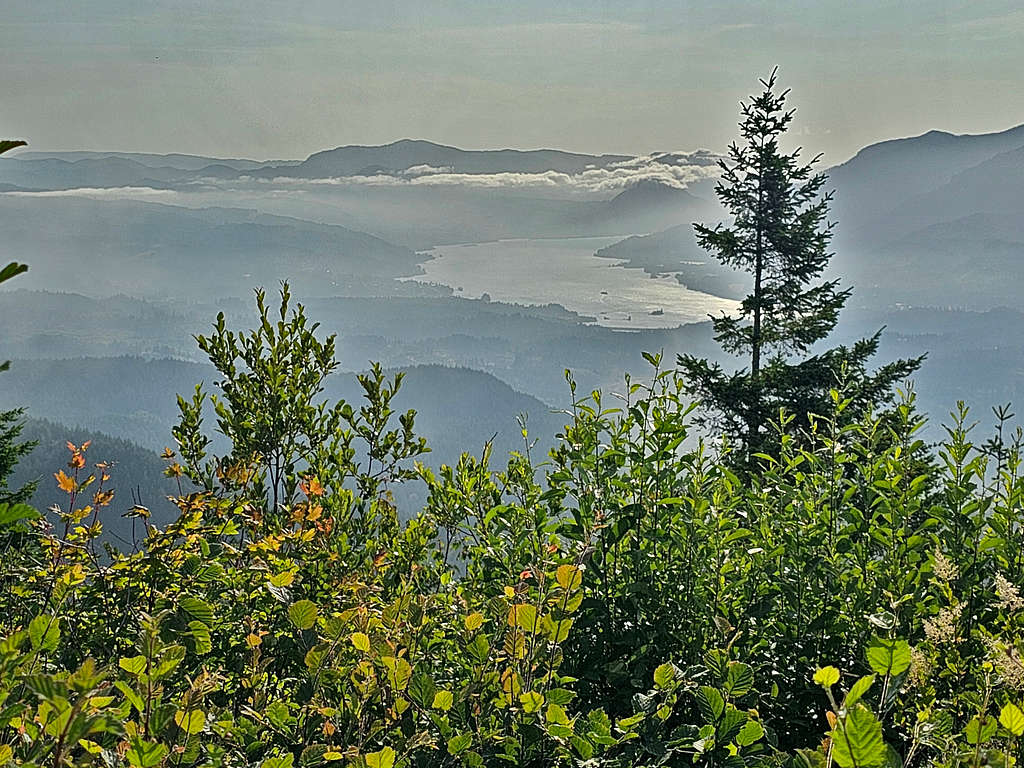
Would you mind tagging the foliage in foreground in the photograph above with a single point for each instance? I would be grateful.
(630, 602)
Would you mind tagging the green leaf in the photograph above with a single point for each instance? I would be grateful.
(197, 609)
(569, 577)
(583, 747)
(739, 679)
(313, 755)
(710, 702)
(558, 630)
(278, 761)
(131, 695)
(888, 657)
(133, 665)
(561, 696)
(751, 732)
(532, 701)
(443, 700)
(857, 740)
(730, 724)
(478, 648)
(1012, 719)
(826, 677)
(44, 632)
(979, 731)
(859, 689)
(422, 689)
(360, 641)
(15, 513)
(145, 754)
(315, 657)
(664, 675)
(460, 743)
(556, 714)
(201, 639)
(303, 614)
(169, 660)
(524, 616)
(278, 714)
(46, 686)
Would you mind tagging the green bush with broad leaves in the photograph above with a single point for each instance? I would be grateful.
(628, 600)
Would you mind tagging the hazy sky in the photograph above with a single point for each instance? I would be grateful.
(268, 78)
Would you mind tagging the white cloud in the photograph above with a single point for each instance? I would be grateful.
(101, 193)
(674, 169)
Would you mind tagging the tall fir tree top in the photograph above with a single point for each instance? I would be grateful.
(779, 233)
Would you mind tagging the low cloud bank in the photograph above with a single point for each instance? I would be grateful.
(102, 193)
(674, 169)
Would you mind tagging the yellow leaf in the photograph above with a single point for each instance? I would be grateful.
(360, 641)
(399, 672)
(826, 677)
(385, 758)
(474, 621)
(191, 722)
(524, 616)
(569, 577)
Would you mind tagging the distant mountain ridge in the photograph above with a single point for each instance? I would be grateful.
(177, 160)
(355, 160)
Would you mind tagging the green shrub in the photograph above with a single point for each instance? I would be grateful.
(631, 601)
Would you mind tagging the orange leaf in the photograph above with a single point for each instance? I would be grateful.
(103, 498)
(311, 487)
(65, 483)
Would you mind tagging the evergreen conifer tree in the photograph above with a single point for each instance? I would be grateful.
(779, 234)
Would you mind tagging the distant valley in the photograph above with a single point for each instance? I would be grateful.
(131, 254)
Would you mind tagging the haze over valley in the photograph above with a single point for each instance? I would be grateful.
(502, 267)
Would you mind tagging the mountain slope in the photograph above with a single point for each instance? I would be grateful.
(135, 399)
(105, 247)
(136, 474)
(884, 175)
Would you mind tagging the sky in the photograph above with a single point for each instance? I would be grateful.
(272, 79)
